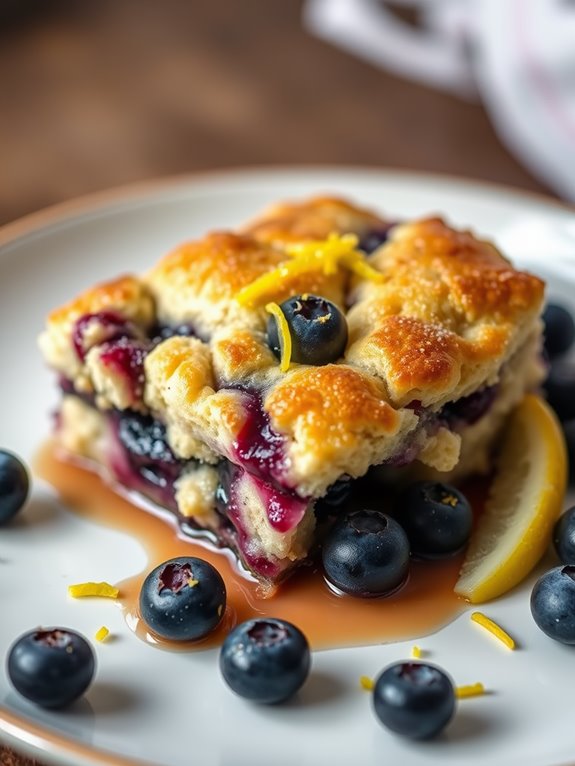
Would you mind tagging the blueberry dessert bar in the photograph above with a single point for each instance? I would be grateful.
(250, 372)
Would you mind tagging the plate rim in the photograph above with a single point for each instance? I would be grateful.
(135, 190)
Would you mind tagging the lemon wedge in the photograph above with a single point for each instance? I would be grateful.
(525, 499)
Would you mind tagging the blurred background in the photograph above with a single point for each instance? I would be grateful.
(99, 94)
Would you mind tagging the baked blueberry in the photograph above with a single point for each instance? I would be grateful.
(14, 485)
(366, 554)
(265, 660)
(559, 329)
(51, 666)
(564, 537)
(317, 328)
(183, 599)
(560, 388)
(414, 699)
(436, 517)
(553, 604)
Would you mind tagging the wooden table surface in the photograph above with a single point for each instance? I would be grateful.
(97, 94)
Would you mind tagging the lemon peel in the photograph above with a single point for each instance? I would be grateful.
(494, 629)
(525, 500)
(284, 335)
(88, 589)
(102, 634)
(326, 256)
(469, 690)
(416, 652)
(366, 683)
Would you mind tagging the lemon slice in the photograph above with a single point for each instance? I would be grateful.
(524, 502)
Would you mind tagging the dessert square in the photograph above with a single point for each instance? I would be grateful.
(249, 376)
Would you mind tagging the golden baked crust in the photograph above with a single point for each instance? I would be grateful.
(449, 314)
(313, 219)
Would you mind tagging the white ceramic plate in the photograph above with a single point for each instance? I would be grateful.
(163, 708)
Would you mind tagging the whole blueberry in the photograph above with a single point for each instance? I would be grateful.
(559, 329)
(183, 599)
(51, 666)
(265, 660)
(436, 517)
(14, 485)
(564, 537)
(366, 554)
(553, 604)
(317, 328)
(414, 699)
(560, 388)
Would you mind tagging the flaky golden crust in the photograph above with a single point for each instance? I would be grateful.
(450, 312)
(314, 219)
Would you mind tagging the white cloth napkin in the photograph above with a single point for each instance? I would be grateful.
(518, 56)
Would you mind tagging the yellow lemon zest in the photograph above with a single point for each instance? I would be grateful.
(366, 683)
(85, 589)
(416, 652)
(102, 634)
(493, 628)
(326, 256)
(192, 583)
(284, 335)
(470, 690)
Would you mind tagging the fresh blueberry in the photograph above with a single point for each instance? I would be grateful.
(414, 699)
(183, 599)
(553, 604)
(569, 431)
(51, 666)
(436, 517)
(265, 660)
(317, 327)
(559, 329)
(14, 485)
(564, 537)
(560, 388)
(366, 554)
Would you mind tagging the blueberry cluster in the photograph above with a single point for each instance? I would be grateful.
(553, 596)
(367, 552)
(560, 383)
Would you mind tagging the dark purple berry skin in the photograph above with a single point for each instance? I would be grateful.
(414, 699)
(564, 537)
(559, 329)
(553, 604)
(14, 485)
(366, 554)
(560, 388)
(317, 327)
(183, 599)
(436, 517)
(51, 666)
(265, 660)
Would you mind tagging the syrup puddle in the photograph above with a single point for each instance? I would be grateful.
(422, 606)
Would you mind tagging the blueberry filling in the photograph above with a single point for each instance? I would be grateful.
(110, 325)
(469, 409)
(258, 448)
(161, 332)
(142, 459)
(125, 358)
(375, 238)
